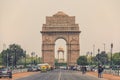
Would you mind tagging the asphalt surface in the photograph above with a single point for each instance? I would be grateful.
(60, 75)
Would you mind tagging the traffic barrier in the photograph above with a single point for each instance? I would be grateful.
(113, 72)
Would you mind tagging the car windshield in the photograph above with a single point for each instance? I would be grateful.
(35, 67)
(3, 69)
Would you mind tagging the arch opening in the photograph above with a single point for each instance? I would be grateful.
(60, 52)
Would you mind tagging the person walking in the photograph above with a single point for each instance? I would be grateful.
(83, 69)
(100, 71)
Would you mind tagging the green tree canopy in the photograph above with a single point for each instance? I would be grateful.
(15, 51)
(82, 60)
(116, 58)
(102, 58)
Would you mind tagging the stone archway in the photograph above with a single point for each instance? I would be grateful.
(60, 49)
(60, 26)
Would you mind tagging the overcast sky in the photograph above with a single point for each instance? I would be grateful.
(99, 20)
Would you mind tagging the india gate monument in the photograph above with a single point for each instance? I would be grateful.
(60, 26)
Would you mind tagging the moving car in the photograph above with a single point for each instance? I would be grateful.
(46, 65)
(5, 72)
(43, 68)
(33, 68)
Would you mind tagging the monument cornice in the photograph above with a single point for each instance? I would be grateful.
(60, 31)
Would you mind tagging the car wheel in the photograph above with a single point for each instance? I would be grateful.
(10, 76)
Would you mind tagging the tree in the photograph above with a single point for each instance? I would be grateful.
(17, 52)
(116, 58)
(14, 52)
(10, 60)
(94, 60)
(82, 60)
(0, 59)
(102, 58)
(4, 57)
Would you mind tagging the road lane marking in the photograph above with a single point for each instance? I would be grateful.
(59, 77)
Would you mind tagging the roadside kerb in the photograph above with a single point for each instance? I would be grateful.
(19, 70)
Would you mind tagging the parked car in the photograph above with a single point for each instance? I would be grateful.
(29, 69)
(5, 72)
(63, 67)
(33, 68)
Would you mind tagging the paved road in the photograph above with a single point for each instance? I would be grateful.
(60, 75)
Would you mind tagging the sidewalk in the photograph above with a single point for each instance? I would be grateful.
(20, 75)
(105, 76)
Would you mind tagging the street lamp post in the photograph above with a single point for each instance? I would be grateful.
(111, 53)
(93, 49)
(15, 58)
(25, 58)
(12, 62)
(32, 54)
(2, 58)
(21, 60)
(104, 46)
(87, 53)
(98, 56)
(91, 58)
(39, 59)
(32, 58)
(36, 59)
(7, 58)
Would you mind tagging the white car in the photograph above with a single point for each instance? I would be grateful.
(5, 72)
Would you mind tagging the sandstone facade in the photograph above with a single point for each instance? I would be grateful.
(60, 26)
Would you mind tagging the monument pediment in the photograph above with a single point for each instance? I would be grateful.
(60, 13)
(60, 22)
